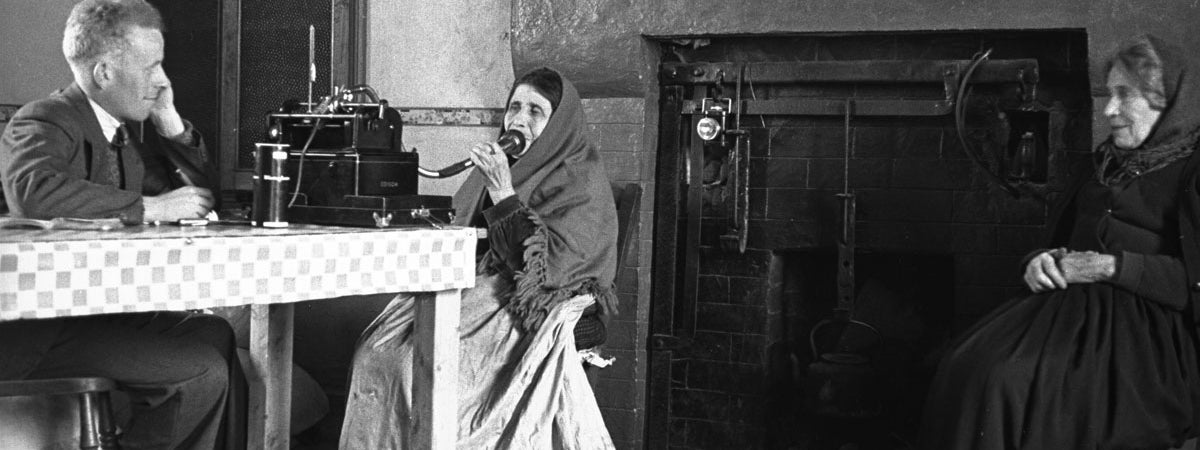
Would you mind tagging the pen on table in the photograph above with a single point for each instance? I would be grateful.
(184, 177)
(212, 214)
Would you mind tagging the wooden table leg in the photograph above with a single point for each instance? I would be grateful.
(270, 376)
(435, 370)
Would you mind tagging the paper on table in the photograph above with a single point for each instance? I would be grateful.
(61, 223)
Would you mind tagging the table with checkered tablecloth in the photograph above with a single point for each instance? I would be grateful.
(56, 273)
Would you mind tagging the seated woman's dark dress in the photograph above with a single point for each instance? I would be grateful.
(1095, 365)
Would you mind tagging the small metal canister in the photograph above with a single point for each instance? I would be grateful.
(270, 184)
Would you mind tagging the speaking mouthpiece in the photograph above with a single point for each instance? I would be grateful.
(512, 142)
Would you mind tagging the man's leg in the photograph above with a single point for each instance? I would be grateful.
(214, 331)
(174, 366)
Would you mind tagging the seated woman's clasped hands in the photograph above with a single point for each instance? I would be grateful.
(1057, 268)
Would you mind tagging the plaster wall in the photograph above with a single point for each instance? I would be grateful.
(31, 49)
(445, 54)
(598, 44)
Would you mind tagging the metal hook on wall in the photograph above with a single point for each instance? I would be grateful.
(739, 163)
(846, 245)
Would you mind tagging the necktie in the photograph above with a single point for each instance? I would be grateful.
(114, 157)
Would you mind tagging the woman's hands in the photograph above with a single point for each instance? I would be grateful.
(1042, 273)
(1057, 268)
(490, 160)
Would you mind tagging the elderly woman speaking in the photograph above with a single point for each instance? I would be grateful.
(550, 254)
(1103, 354)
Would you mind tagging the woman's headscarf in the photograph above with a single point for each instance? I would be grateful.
(562, 179)
(1174, 136)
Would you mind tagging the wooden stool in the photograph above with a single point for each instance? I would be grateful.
(96, 427)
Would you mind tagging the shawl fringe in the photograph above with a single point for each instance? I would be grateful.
(530, 301)
(1134, 163)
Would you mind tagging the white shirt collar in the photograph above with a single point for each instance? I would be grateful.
(108, 123)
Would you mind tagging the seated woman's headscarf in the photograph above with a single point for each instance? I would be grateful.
(562, 179)
(1175, 135)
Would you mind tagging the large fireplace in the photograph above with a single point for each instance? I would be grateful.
(950, 146)
(705, 327)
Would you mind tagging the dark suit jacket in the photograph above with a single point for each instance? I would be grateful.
(51, 165)
(53, 160)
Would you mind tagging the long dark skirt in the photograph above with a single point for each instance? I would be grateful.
(1089, 367)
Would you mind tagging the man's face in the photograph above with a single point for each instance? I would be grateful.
(1128, 111)
(136, 76)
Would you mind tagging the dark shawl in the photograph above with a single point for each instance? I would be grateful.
(1176, 131)
(572, 250)
(1177, 128)
(1173, 137)
(1181, 118)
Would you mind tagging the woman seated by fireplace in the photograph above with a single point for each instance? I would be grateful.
(550, 254)
(1104, 353)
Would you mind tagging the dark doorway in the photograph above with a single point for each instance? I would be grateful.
(192, 60)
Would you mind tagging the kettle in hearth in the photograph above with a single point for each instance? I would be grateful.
(843, 383)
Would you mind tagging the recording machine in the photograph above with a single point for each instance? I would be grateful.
(346, 164)
(341, 161)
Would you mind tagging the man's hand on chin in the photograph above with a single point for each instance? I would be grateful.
(164, 115)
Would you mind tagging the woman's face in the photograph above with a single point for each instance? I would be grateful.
(1128, 111)
(528, 113)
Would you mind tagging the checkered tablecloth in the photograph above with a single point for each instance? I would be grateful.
(53, 273)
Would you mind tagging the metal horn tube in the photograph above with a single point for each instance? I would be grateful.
(512, 142)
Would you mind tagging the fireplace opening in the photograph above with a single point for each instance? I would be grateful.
(906, 297)
(950, 191)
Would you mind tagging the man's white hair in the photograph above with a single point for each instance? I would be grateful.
(97, 28)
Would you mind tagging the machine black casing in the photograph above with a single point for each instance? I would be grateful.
(355, 169)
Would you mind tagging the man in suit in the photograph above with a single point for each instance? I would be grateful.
(112, 145)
